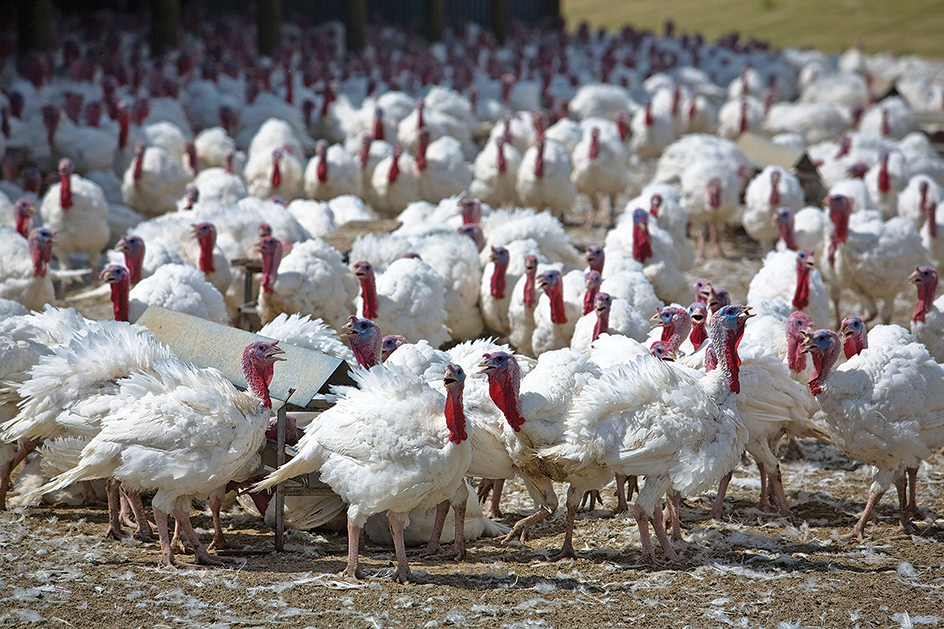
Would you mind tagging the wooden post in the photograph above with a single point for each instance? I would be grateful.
(269, 20)
(34, 25)
(435, 19)
(500, 20)
(165, 20)
(355, 24)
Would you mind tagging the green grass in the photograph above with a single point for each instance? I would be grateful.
(903, 27)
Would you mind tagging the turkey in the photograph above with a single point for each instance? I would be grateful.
(599, 170)
(927, 320)
(158, 436)
(154, 181)
(394, 183)
(536, 411)
(646, 418)
(312, 279)
(554, 316)
(278, 172)
(24, 277)
(521, 305)
(652, 247)
(870, 256)
(919, 200)
(332, 172)
(883, 407)
(710, 191)
(791, 277)
(417, 459)
(407, 299)
(770, 190)
(177, 287)
(544, 178)
(441, 168)
(608, 316)
(495, 174)
(76, 211)
(885, 180)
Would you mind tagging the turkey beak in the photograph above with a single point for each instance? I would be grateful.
(122, 246)
(540, 283)
(805, 345)
(485, 366)
(746, 312)
(913, 278)
(449, 377)
(348, 329)
(275, 353)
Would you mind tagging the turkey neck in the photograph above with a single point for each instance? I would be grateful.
(369, 296)
(822, 363)
(134, 263)
(539, 162)
(276, 173)
(676, 333)
(455, 414)
(504, 392)
(642, 243)
(801, 296)
(65, 191)
(884, 185)
(796, 360)
(725, 343)
(138, 166)
(530, 292)
(498, 281)
(698, 335)
(502, 164)
(788, 235)
(119, 298)
(23, 223)
(322, 169)
(589, 297)
(930, 209)
(270, 270)
(925, 303)
(206, 254)
(258, 378)
(602, 323)
(774, 193)
(558, 309)
(40, 257)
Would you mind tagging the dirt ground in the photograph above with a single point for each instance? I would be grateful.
(751, 569)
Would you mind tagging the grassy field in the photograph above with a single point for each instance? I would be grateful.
(903, 27)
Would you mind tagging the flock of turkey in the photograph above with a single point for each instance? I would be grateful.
(174, 167)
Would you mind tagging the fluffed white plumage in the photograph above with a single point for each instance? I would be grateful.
(278, 172)
(652, 247)
(178, 287)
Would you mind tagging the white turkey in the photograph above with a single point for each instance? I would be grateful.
(418, 459)
(599, 171)
(770, 190)
(442, 171)
(154, 181)
(927, 320)
(279, 172)
(24, 277)
(159, 437)
(177, 287)
(407, 299)
(791, 277)
(544, 178)
(495, 174)
(652, 247)
(332, 172)
(645, 418)
(76, 211)
(394, 183)
(710, 191)
(883, 407)
(312, 279)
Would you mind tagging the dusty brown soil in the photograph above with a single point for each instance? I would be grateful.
(753, 569)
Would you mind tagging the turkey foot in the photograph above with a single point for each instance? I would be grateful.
(493, 486)
(520, 529)
(590, 499)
